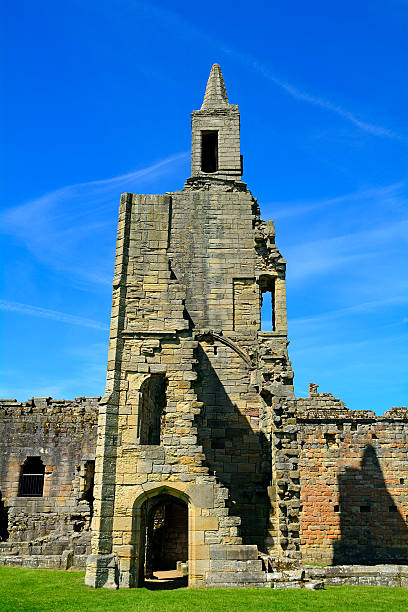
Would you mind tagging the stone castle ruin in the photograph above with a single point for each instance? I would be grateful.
(199, 456)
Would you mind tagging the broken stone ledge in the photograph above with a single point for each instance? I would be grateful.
(360, 575)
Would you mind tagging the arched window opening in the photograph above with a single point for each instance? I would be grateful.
(152, 410)
(32, 478)
(267, 287)
(209, 151)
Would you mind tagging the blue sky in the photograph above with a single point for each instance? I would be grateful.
(97, 102)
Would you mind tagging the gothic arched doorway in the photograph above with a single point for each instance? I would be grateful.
(163, 542)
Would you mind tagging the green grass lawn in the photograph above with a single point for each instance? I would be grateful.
(42, 590)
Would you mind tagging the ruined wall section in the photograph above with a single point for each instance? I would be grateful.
(223, 253)
(211, 248)
(63, 434)
(150, 339)
(354, 482)
(235, 448)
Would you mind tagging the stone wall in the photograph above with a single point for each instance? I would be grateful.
(191, 267)
(354, 482)
(199, 412)
(63, 434)
(360, 575)
(169, 288)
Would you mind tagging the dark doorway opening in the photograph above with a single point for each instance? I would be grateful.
(209, 151)
(165, 519)
(32, 478)
(89, 481)
(4, 534)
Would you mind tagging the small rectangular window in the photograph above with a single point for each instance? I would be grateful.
(32, 478)
(393, 509)
(330, 439)
(365, 509)
(209, 151)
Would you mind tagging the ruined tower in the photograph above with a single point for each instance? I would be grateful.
(204, 460)
(197, 425)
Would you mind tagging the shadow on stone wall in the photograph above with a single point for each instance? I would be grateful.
(238, 456)
(372, 529)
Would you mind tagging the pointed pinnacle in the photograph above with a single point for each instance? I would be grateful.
(215, 92)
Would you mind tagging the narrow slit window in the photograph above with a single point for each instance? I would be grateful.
(4, 533)
(267, 286)
(209, 151)
(152, 410)
(89, 481)
(32, 478)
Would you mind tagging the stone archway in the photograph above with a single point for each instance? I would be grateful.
(161, 536)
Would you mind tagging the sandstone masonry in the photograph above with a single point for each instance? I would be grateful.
(202, 458)
(354, 482)
(47, 530)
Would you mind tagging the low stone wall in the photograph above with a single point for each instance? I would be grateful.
(360, 575)
(65, 561)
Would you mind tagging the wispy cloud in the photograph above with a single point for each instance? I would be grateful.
(55, 315)
(76, 223)
(386, 196)
(353, 348)
(338, 313)
(323, 256)
(175, 22)
(298, 94)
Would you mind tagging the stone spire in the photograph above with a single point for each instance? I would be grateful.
(215, 92)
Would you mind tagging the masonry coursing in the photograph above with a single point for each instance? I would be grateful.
(63, 434)
(199, 410)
